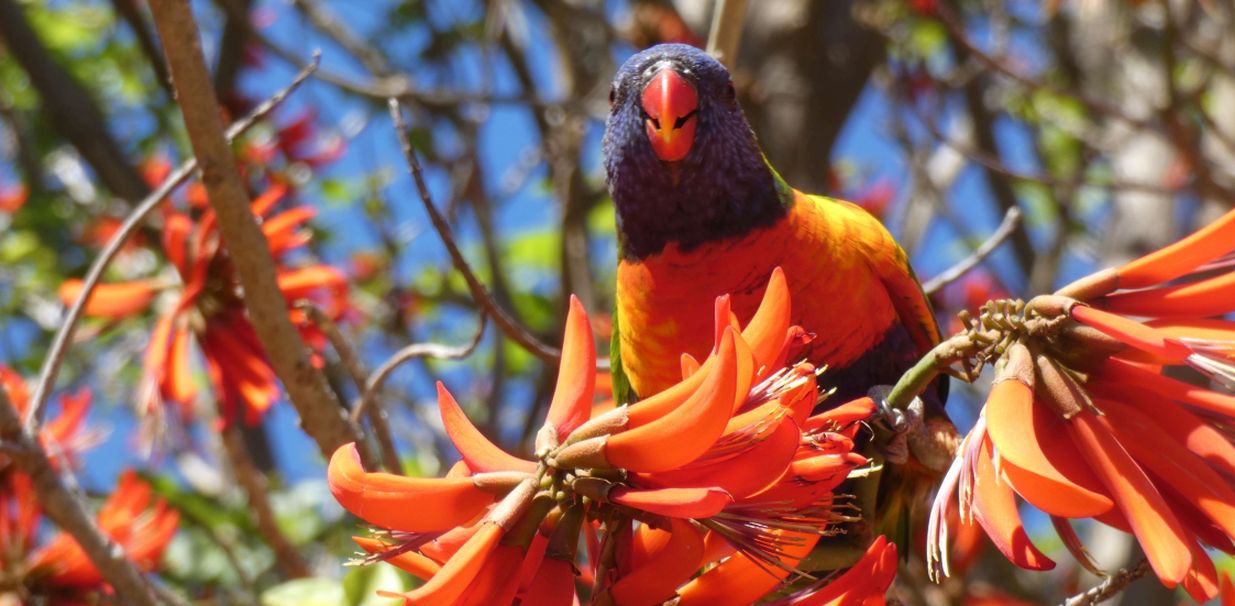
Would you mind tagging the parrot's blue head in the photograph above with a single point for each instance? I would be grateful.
(682, 162)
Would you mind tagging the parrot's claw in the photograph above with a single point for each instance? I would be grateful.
(898, 424)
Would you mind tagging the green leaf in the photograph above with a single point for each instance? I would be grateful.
(361, 584)
(17, 245)
(313, 591)
(536, 249)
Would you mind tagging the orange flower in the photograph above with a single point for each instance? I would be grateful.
(13, 197)
(141, 527)
(209, 308)
(1082, 422)
(63, 436)
(726, 472)
(56, 568)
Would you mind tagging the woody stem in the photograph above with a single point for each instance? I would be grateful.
(915, 380)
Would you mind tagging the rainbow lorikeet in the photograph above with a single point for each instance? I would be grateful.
(700, 213)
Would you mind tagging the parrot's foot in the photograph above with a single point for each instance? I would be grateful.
(896, 424)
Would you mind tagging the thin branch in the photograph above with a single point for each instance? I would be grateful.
(63, 508)
(382, 87)
(253, 482)
(230, 51)
(321, 414)
(726, 31)
(59, 345)
(982, 119)
(991, 163)
(132, 15)
(350, 359)
(1011, 220)
(436, 351)
(335, 29)
(956, 31)
(509, 326)
(1109, 586)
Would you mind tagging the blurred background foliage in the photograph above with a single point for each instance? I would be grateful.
(1110, 123)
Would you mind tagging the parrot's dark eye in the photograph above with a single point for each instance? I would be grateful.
(731, 94)
(612, 96)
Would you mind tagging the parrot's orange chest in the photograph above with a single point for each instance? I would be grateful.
(665, 301)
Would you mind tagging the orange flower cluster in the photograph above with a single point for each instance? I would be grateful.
(55, 568)
(727, 472)
(1083, 422)
(210, 308)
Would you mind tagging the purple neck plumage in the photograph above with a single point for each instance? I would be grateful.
(722, 188)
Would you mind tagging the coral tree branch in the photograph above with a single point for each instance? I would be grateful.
(58, 502)
(321, 415)
(59, 345)
(510, 327)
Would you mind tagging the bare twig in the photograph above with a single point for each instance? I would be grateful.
(350, 359)
(726, 32)
(1110, 586)
(132, 14)
(63, 508)
(1011, 220)
(337, 30)
(321, 415)
(55, 355)
(992, 163)
(286, 555)
(382, 87)
(436, 351)
(509, 326)
(956, 31)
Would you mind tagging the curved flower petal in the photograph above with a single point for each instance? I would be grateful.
(552, 585)
(685, 433)
(454, 577)
(280, 230)
(1209, 297)
(742, 474)
(1037, 457)
(478, 452)
(1172, 463)
(1174, 260)
(740, 580)
(659, 575)
(113, 301)
(673, 502)
(994, 506)
(1117, 371)
(494, 582)
(767, 327)
(1133, 333)
(576, 382)
(864, 582)
(399, 502)
(1156, 528)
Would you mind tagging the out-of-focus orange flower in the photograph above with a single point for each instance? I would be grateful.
(141, 525)
(54, 567)
(64, 435)
(13, 197)
(727, 472)
(210, 308)
(1082, 422)
(299, 140)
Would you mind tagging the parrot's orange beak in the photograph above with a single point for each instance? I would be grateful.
(670, 103)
